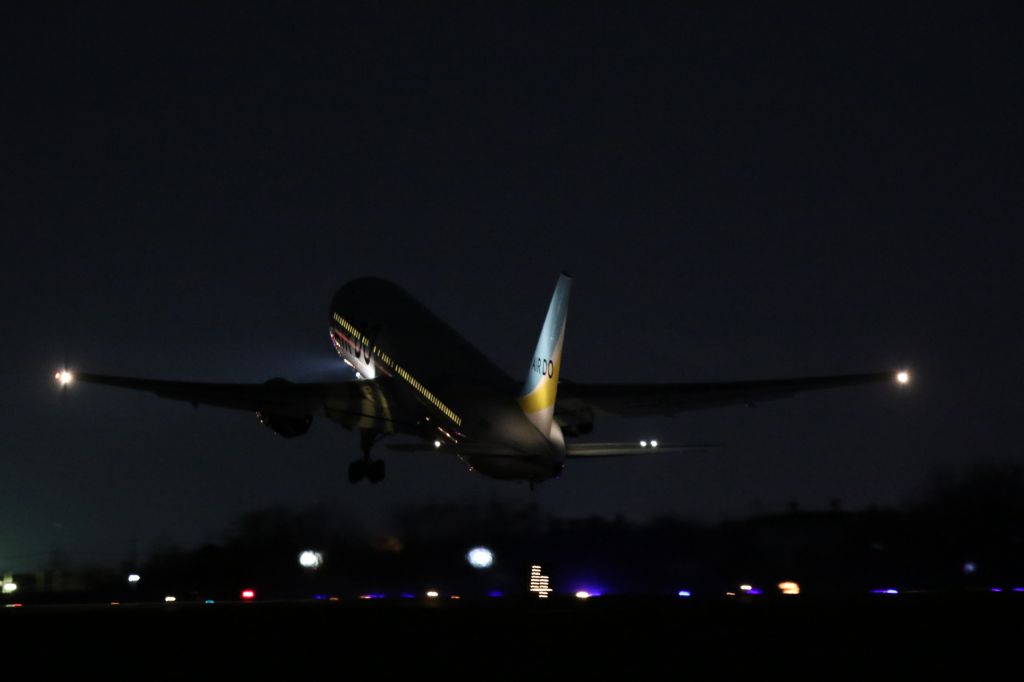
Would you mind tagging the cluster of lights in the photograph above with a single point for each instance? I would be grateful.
(789, 587)
(64, 377)
(539, 584)
(651, 443)
(398, 369)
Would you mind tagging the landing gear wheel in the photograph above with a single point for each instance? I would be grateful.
(375, 471)
(357, 471)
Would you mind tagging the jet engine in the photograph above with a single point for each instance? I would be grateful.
(287, 426)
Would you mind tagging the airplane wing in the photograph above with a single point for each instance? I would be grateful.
(632, 400)
(355, 404)
(580, 450)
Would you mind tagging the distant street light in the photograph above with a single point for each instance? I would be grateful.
(480, 557)
(311, 559)
(134, 578)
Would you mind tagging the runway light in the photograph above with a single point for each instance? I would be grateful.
(654, 443)
(643, 444)
(209, 601)
(683, 593)
(170, 599)
(64, 377)
(311, 559)
(789, 587)
(903, 377)
(888, 590)
(437, 444)
(746, 588)
(583, 594)
(480, 557)
(248, 595)
(432, 594)
(134, 578)
(10, 588)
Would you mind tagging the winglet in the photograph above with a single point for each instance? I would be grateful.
(538, 397)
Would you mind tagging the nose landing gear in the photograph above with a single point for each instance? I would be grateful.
(371, 469)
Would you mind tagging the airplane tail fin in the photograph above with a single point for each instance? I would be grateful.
(538, 397)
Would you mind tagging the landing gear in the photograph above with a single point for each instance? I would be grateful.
(375, 471)
(357, 471)
(370, 469)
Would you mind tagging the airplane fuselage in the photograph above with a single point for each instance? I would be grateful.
(443, 389)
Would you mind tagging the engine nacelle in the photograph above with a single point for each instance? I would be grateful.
(285, 425)
(578, 423)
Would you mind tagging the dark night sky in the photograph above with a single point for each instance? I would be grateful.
(738, 192)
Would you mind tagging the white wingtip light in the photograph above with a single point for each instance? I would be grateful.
(64, 377)
(903, 377)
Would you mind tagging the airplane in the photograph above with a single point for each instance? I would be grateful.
(416, 376)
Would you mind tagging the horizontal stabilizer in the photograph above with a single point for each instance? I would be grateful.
(629, 449)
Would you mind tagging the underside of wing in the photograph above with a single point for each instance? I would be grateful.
(357, 404)
(581, 450)
(668, 399)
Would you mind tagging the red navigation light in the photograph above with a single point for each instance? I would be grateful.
(248, 595)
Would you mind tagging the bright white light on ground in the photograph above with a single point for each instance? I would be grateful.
(789, 587)
(583, 594)
(643, 444)
(134, 578)
(10, 588)
(64, 377)
(433, 594)
(310, 559)
(437, 444)
(654, 443)
(746, 588)
(683, 593)
(903, 377)
(170, 598)
(480, 557)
